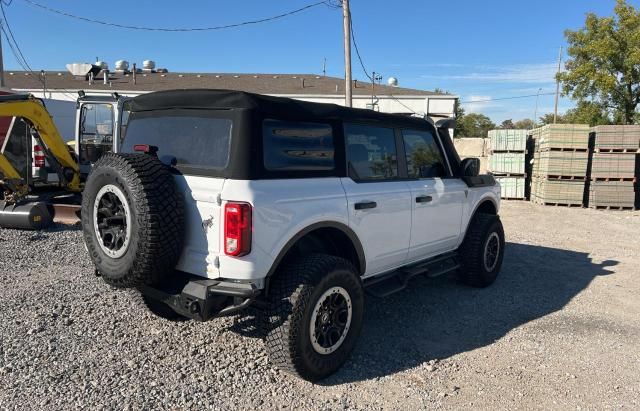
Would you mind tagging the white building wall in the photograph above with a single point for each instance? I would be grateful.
(442, 106)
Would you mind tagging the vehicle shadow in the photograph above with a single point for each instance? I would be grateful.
(439, 318)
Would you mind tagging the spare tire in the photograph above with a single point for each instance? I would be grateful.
(132, 219)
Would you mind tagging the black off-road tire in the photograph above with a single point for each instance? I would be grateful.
(156, 217)
(293, 295)
(482, 229)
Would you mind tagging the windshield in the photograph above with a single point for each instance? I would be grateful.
(198, 139)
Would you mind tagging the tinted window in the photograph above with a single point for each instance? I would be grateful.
(293, 146)
(424, 158)
(371, 152)
(196, 138)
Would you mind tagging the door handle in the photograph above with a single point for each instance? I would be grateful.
(365, 205)
(424, 199)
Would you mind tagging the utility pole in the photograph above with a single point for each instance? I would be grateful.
(1, 63)
(346, 17)
(555, 109)
(324, 67)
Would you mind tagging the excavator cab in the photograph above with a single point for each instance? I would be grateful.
(99, 127)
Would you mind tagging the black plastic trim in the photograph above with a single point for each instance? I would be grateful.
(327, 224)
(484, 180)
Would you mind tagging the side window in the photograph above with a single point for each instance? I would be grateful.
(296, 146)
(96, 132)
(424, 158)
(371, 152)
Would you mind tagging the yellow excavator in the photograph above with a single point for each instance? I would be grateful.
(18, 207)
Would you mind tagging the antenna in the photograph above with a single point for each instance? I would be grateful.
(324, 68)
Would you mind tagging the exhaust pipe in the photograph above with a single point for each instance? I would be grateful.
(31, 216)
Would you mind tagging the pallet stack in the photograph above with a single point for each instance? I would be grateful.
(507, 161)
(560, 164)
(614, 167)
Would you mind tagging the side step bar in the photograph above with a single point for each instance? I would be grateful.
(395, 281)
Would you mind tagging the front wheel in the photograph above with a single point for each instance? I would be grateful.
(314, 317)
(482, 251)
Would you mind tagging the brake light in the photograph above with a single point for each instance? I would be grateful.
(237, 229)
(38, 156)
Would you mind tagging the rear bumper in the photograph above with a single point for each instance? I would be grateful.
(204, 299)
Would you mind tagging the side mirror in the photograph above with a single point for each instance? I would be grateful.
(470, 167)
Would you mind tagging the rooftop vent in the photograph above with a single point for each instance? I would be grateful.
(149, 65)
(102, 64)
(122, 66)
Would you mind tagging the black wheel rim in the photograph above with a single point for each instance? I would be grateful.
(331, 320)
(111, 221)
(491, 252)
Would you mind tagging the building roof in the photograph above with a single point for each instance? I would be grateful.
(286, 84)
(280, 107)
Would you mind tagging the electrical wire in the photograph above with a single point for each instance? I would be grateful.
(17, 52)
(507, 98)
(172, 29)
(355, 46)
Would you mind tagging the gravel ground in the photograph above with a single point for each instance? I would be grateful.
(559, 329)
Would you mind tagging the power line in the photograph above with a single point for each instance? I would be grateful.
(184, 29)
(507, 98)
(355, 45)
(17, 52)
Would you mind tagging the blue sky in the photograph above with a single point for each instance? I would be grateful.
(479, 50)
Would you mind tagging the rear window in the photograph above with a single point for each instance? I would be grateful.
(198, 139)
(297, 146)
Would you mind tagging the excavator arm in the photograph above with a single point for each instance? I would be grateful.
(42, 127)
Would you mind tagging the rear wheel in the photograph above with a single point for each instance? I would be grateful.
(482, 251)
(314, 316)
(132, 219)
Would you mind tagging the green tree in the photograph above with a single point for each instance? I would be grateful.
(507, 125)
(548, 119)
(587, 112)
(604, 63)
(474, 125)
(524, 124)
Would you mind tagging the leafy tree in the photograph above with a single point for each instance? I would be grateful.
(474, 125)
(507, 125)
(587, 112)
(548, 119)
(604, 62)
(524, 124)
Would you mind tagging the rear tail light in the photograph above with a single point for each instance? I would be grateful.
(38, 156)
(237, 229)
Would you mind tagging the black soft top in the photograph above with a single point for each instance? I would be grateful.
(268, 106)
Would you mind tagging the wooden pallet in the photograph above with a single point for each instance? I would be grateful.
(622, 208)
(630, 179)
(513, 198)
(572, 150)
(521, 175)
(508, 151)
(617, 150)
(561, 178)
(560, 204)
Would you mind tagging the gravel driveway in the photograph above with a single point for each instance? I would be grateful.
(560, 329)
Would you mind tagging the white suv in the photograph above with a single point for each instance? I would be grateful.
(223, 199)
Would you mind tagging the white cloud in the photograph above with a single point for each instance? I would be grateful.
(518, 73)
(476, 103)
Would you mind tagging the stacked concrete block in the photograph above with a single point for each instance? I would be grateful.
(614, 167)
(560, 164)
(507, 161)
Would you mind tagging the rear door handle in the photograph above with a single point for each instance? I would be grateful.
(365, 205)
(424, 199)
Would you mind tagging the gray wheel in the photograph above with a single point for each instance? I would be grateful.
(482, 251)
